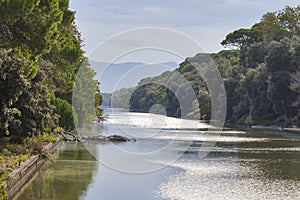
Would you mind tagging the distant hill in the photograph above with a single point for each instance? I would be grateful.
(128, 74)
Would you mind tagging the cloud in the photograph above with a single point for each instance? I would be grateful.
(192, 12)
(206, 21)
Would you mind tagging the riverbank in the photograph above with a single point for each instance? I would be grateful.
(276, 128)
(21, 175)
(262, 128)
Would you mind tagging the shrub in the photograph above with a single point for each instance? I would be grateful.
(68, 118)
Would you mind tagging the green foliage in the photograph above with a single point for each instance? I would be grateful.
(120, 98)
(261, 75)
(240, 38)
(48, 138)
(36, 110)
(289, 19)
(86, 96)
(40, 55)
(273, 26)
(68, 117)
(13, 155)
(12, 86)
(11, 11)
(268, 90)
(254, 54)
(146, 96)
(232, 56)
(3, 177)
(295, 126)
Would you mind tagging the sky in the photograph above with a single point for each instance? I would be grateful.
(207, 22)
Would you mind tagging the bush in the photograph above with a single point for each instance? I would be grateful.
(68, 118)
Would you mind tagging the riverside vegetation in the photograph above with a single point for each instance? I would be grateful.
(261, 75)
(40, 55)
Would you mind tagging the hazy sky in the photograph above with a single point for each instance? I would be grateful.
(206, 21)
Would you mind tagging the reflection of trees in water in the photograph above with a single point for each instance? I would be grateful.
(68, 177)
(277, 159)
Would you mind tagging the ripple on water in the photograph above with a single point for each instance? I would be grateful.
(223, 179)
(197, 137)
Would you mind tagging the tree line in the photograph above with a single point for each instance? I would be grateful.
(40, 56)
(261, 75)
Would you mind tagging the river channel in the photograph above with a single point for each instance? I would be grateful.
(171, 160)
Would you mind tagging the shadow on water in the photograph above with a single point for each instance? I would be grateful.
(68, 177)
(242, 165)
(276, 159)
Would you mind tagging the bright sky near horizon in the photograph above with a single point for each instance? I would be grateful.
(206, 21)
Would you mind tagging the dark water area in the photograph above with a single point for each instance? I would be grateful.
(173, 164)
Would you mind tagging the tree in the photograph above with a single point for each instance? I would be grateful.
(37, 115)
(281, 63)
(68, 117)
(40, 55)
(240, 38)
(254, 55)
(289, 18)
(12, 86)
(261, 75)
(86, 96)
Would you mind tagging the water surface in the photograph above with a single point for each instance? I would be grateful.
(242, 165)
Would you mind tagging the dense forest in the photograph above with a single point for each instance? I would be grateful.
(40, 56)
(261, 75)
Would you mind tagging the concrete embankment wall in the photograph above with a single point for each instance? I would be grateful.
(22, 176)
